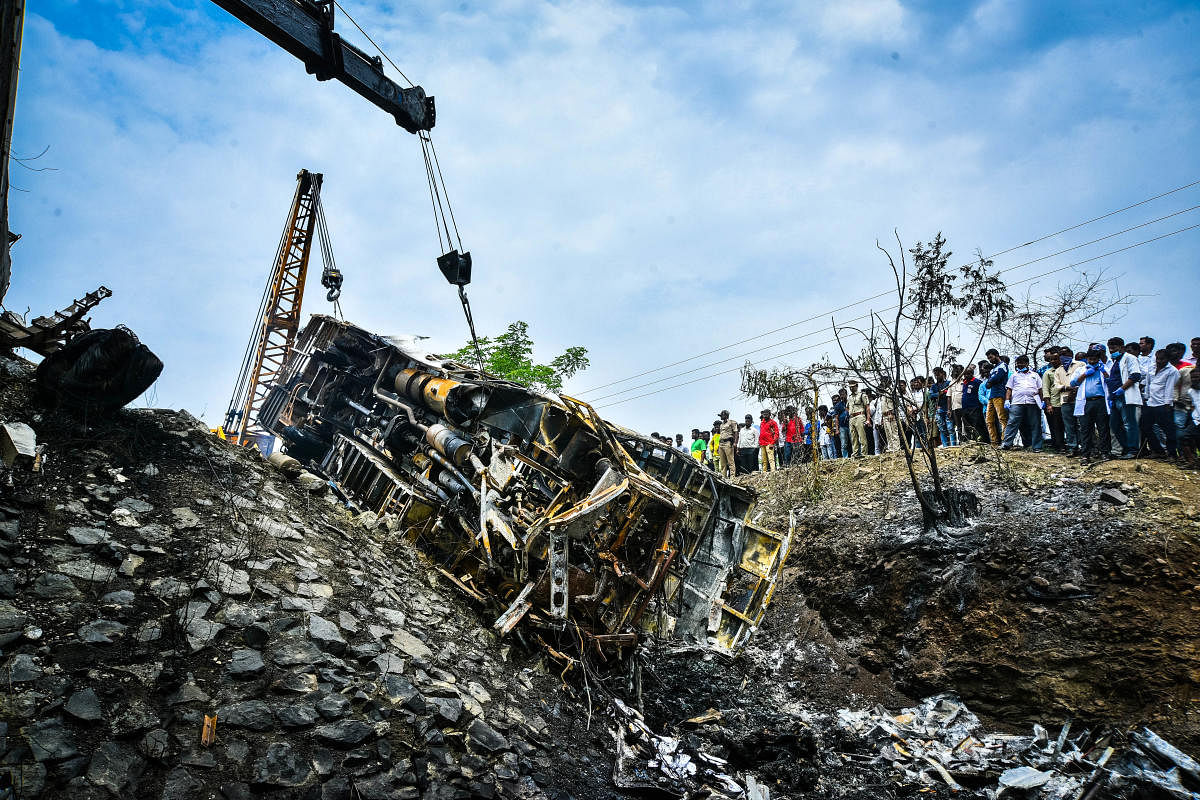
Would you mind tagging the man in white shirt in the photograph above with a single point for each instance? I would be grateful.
(1160, 405)
(1023, 401)
(1191, 429)
(747, 446)
(954, 393)
(1145, 357)
(1126, 397)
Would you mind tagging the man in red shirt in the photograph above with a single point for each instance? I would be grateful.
(793, 435)
(768, 437)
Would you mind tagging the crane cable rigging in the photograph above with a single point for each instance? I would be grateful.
(455, 262)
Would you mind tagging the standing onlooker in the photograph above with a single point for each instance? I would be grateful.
(1145, 357)
(1190, 442)
(1091, 405)
(680, 446)
(1183, 401)
(1160, 404)
(825, 436)
(858, 408)
(869, 421)
(793, 435)
(1069, 366)
(1052, 392)
(1125, 396)
(997, 417)
(888, 413)
(941, 399)
(842, 443)
(1049, 360)
(954, 394)
(747, 446)
(1024, 402)
(699, 445)
(878, 435)
(768, 438)
(729, 432)
(974, 426)
(918, 411)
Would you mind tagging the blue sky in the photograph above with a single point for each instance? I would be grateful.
(648, 180)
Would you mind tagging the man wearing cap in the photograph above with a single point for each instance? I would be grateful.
(1091, 405)
(858, 407)
(729, 431)
(768, 437)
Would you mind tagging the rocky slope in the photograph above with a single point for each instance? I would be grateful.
(154, 574)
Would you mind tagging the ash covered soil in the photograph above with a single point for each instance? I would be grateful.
(151, 574)
(1074, 594)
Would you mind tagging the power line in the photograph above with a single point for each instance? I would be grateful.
(619, 392)
(881, 294)
(834, 340)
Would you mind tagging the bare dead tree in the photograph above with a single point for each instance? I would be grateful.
(911, 342)
(1034, 322)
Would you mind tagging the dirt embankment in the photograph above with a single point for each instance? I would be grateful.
(1053, 603)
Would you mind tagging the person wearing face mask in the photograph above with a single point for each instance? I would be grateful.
(1125, 397)
(1067, 365)
(1052, 391)
(1023, 401)
(1091, 406)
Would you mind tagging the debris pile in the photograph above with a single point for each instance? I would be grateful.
(649, 761)
(587, 534)
(941, 742)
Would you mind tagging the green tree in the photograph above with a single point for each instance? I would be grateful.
(510, 356)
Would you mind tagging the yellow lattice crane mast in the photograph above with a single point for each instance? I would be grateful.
(278, 318)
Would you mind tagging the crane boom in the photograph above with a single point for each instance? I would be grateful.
(279, 312)
(305, 29)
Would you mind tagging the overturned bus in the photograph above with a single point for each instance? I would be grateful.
(569, 523)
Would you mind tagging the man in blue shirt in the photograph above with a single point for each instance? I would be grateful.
(1091, 406)
(940, 390)
(842, 444)
(972, 409)
(997, 379)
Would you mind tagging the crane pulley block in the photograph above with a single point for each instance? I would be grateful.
(456, 267)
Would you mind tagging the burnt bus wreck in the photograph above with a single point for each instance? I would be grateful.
(569, 523)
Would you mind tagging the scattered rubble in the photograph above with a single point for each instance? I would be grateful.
(940, 742)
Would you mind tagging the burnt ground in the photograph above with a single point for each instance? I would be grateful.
(151, 574)
(1052, 604)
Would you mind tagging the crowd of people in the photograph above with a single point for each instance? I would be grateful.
(1116, 400)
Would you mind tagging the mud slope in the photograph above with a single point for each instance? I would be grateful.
(1054, 603)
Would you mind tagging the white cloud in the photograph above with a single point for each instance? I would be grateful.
(865, 21)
